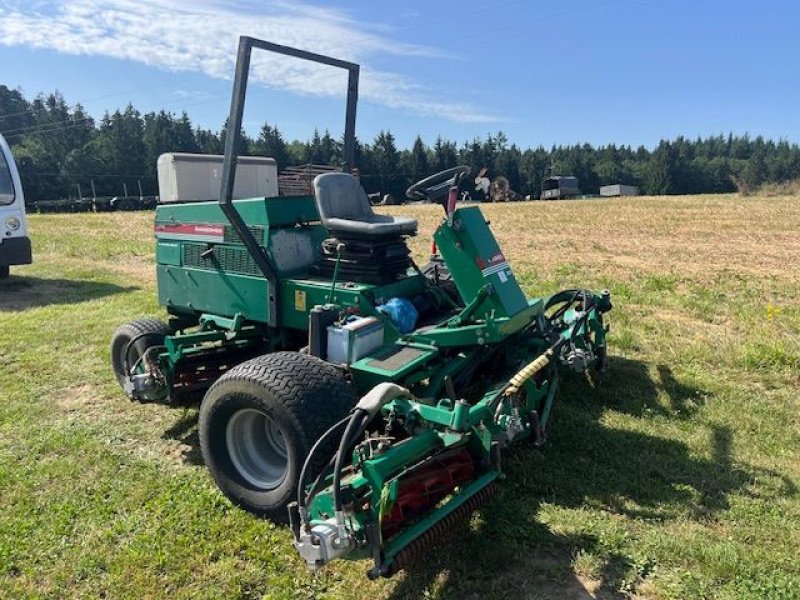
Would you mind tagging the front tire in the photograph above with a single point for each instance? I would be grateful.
(131, 341)
(258, 422)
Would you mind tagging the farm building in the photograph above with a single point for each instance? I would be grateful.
(560, 186)
(619, 190)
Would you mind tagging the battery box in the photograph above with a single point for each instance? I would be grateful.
(355, 339)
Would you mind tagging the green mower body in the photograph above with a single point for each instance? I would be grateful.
(365, 401)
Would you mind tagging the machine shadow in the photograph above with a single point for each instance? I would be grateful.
(20, 292)
(184, 430)
(509, 551)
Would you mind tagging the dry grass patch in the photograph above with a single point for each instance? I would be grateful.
(692, 235)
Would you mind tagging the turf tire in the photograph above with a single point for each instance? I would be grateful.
(146, 332)
(301, 394)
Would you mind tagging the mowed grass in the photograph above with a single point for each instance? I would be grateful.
(674, 477)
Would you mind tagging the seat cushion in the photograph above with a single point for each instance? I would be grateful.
(340, 195)
(372, 226)
(345, 210)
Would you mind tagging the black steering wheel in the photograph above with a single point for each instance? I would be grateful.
(436, 186)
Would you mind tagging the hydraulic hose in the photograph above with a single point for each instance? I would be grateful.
(541, 361)
(357, 423)
(312, 491)
(126, 356)
(315, 486)
(558, 298)
(314, 448)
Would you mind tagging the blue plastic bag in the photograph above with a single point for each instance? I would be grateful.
(401, 313)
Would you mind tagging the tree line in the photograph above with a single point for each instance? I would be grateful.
(59, 147)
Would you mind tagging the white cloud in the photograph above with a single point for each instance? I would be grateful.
(202, 36)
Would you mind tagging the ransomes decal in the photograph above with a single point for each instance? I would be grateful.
(195, 232)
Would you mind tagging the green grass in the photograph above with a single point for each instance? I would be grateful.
(673, 477)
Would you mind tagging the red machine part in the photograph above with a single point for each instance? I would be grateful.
(421, 489)
(418, 549)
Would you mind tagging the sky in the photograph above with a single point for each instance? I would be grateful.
(542, 72)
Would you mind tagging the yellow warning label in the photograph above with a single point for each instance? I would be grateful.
(300, 300)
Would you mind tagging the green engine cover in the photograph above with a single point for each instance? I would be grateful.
(203, 267)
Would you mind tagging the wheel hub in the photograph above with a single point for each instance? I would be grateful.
(257, 448)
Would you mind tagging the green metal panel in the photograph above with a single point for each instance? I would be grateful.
(213, 292)
(207, 269)
(299, 296)
(168, 253)
(475, 259)
(291, 210)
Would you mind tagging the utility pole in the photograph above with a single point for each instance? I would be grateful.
(94, 197)
(125, 188)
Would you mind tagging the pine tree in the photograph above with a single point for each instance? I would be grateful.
(418, 161)
(270, 143)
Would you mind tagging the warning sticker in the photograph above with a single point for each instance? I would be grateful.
(300, 300)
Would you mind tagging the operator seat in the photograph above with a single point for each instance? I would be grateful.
(362, 246)
(346, 213)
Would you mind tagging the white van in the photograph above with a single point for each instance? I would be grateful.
(15, 246)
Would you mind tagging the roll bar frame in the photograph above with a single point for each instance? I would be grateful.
(233, 137)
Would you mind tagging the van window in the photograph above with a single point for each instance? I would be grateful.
(6, 185)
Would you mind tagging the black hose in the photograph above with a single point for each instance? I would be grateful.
(310, 456)
(354, 428)
(588, 304)
(568, 296)
(317, 484)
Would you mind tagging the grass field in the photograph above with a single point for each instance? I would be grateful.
(675, 478)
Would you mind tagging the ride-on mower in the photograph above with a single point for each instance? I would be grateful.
(341, 387)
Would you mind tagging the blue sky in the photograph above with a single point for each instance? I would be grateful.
(622, 71)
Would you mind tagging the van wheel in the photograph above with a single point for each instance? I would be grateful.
(4, 271)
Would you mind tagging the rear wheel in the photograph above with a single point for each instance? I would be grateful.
(130, 342)
(4, 271)
(259, 420)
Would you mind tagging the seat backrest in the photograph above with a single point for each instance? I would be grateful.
(340, 196)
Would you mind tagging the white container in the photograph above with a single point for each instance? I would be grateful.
(619, 190)
(354, 340)
(198, 177)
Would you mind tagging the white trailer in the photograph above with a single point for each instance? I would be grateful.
(619, 189)
(15, 245)
(198, 177)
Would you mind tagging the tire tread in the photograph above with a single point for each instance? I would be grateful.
(313, 392)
